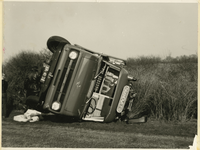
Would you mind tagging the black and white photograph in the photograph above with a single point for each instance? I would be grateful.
(100, 74)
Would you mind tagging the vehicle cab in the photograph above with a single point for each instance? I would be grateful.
(84, 84)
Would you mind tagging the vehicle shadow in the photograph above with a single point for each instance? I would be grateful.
(58, 118)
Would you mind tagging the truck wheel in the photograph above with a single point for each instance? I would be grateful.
(54, 41)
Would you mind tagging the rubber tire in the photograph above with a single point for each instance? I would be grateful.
(54, 41)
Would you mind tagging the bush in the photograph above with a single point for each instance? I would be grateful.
(16, 69)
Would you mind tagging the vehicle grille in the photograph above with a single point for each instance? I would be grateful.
(64, 80)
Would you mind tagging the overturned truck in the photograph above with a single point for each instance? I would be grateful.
(85, 84)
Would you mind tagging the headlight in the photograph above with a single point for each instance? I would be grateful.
(73, 55)
(56, 105)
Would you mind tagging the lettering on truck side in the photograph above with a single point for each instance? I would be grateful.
(123, 98)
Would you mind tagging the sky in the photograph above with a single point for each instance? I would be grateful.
(124, 30)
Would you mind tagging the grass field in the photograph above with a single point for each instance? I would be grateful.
(60, 133)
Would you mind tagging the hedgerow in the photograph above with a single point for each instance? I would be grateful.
(16, 70)
(167, 89)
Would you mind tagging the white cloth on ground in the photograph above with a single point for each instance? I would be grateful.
(30, 115)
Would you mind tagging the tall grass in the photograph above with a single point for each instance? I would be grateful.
(167, 88)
